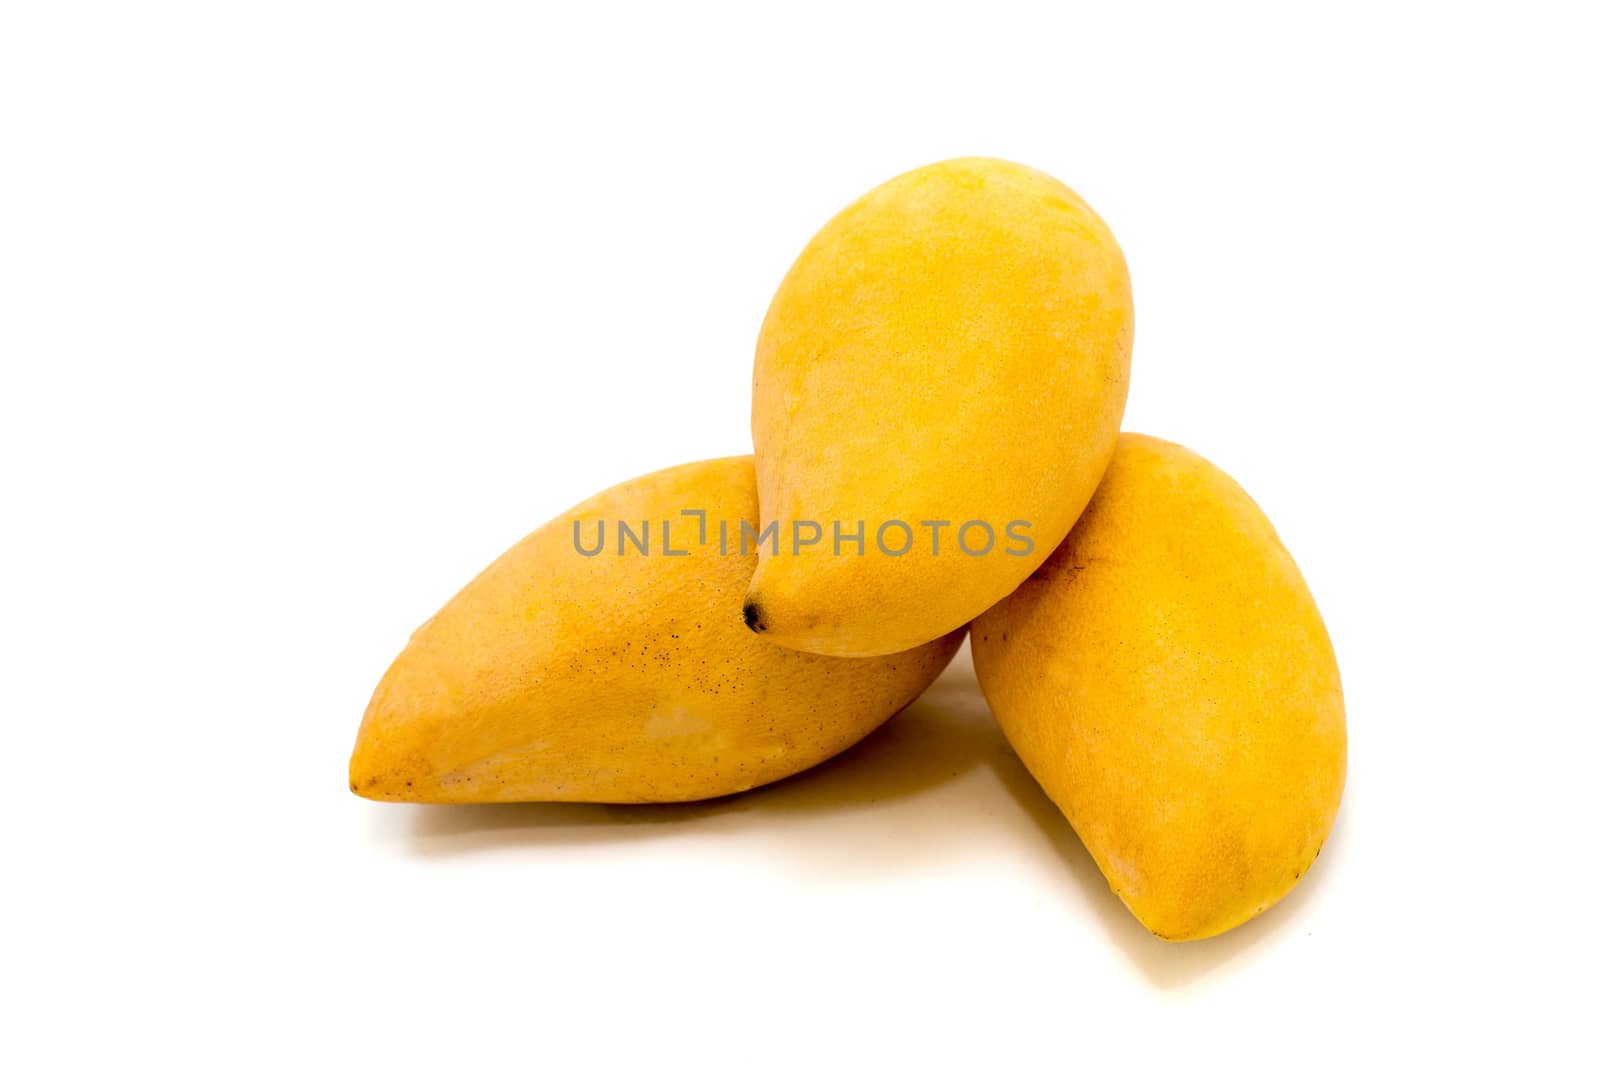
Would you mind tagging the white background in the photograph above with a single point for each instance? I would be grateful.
(308, 310)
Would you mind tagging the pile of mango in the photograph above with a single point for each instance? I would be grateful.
(938, 396)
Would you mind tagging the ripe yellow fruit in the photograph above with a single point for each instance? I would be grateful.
(624, 676)
(952, 348)
(1168, 681)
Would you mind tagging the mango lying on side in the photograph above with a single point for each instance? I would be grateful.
(625, 676)
(1168, 681)
(953, 348)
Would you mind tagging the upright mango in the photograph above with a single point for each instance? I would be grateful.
(938, 386)
(1168, 681)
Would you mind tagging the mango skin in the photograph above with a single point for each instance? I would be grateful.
(619, 679)
(954, 346)
(1167, 679)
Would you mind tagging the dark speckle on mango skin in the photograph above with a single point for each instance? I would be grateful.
(753, 617)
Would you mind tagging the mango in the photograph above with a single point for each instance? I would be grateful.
(1168, 681)
(938, 386)
(619, 670)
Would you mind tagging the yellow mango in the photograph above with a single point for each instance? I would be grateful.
(621, 676)
(1167, 679)
(952, 348)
